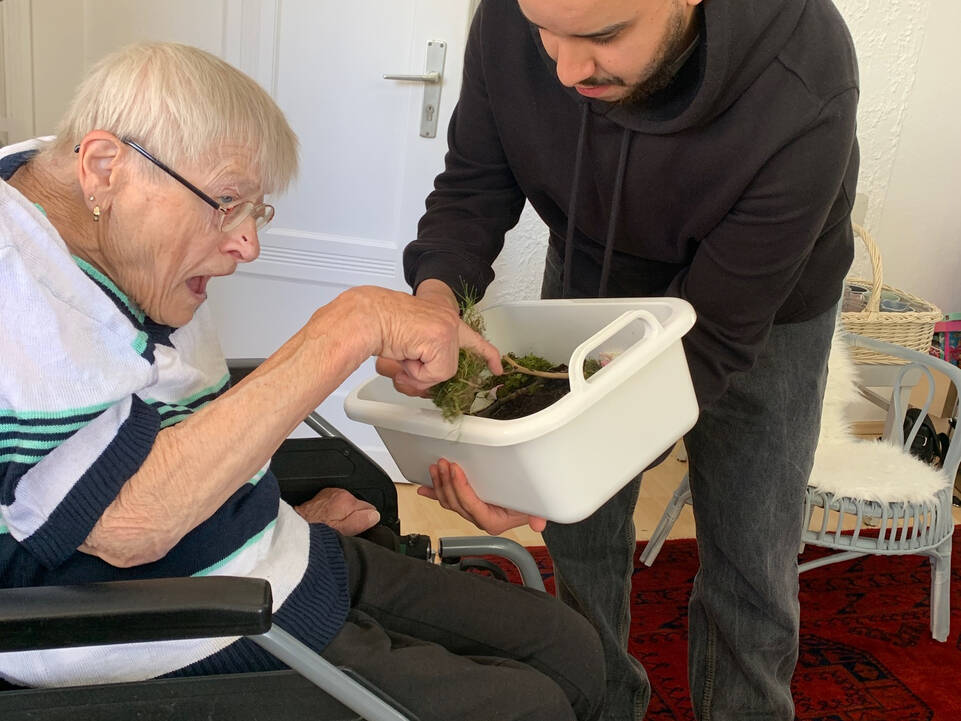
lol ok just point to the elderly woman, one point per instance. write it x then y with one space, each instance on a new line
124 454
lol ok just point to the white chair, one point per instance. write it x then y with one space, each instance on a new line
874 496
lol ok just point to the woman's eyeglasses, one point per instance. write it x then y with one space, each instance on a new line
230 216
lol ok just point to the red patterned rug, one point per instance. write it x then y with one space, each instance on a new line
866 649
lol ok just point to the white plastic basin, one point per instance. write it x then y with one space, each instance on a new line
565 461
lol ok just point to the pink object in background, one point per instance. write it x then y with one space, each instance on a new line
946 343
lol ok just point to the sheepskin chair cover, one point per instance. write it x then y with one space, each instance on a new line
847 466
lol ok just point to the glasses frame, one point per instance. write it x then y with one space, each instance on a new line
219 207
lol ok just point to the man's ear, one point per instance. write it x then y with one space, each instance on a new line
98 156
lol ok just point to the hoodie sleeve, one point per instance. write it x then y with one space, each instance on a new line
746 268
476 199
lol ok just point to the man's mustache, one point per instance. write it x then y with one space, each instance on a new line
595 82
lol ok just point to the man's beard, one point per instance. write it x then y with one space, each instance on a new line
661 70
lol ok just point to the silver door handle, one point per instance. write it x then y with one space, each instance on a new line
432 77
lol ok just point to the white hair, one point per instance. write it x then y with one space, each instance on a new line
182 104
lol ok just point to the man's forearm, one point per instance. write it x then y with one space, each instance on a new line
437 291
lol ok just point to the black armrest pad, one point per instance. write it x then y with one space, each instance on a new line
304 466
132 611
240 367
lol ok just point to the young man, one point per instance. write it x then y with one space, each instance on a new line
704 150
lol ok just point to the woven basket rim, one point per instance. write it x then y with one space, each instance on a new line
933 315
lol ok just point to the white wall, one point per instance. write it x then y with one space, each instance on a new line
910 148
520 267
3 86
918 225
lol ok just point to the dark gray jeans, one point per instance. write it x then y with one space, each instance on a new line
750 456
453 645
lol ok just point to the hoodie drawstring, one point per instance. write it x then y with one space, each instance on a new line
572 207
615 208
615 212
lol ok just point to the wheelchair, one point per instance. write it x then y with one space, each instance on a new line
167 609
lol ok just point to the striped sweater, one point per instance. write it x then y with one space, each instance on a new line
87 380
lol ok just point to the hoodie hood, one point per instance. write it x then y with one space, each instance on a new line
738 40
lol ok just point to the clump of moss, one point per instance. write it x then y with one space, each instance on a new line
591 366
458 395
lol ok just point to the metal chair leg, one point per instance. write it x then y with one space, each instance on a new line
681 497
941 591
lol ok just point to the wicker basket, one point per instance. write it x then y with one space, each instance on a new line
911 329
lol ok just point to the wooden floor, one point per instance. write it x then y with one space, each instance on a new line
421 515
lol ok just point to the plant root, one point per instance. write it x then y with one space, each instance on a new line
540 374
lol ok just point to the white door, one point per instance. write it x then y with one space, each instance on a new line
365 168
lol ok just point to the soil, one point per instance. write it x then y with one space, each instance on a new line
536 396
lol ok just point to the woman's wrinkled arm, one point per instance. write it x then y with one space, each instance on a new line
197 464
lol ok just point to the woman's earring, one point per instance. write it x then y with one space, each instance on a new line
96 214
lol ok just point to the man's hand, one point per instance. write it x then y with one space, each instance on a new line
341 510
453 491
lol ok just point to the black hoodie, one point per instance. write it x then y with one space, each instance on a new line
732 188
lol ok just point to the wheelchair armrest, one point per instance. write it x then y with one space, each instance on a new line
166 609
239 368
159 609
